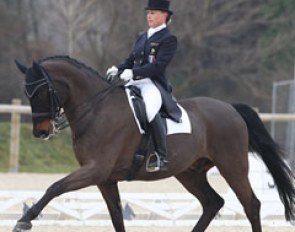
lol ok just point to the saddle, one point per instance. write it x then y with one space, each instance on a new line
145 147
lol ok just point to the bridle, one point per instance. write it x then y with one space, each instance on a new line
56 113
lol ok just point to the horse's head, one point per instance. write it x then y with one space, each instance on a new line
44 102
61 88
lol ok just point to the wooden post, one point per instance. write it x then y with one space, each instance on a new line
14 138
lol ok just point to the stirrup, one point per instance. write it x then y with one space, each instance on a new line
152 156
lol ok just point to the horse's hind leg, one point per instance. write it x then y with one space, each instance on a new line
196 183
110 193
236 176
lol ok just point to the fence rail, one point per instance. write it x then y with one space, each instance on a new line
16 110
139 209
266 117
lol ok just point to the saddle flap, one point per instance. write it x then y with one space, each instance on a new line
137 106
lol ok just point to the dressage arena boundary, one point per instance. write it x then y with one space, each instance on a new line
139 209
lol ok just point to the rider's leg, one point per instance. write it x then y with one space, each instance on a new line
153 102
158 132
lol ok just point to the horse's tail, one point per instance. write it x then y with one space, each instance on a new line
271 153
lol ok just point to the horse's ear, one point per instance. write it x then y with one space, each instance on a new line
21 67
37 68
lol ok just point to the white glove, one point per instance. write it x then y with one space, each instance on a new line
111 72
126 75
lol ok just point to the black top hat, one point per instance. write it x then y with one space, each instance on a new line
161 5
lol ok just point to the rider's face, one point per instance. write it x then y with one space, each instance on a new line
156 18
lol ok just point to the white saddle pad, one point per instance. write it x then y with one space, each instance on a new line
184 127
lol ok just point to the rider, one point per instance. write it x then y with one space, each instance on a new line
145 68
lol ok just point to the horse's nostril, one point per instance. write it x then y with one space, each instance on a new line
42 134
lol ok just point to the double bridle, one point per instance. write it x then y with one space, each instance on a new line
56 112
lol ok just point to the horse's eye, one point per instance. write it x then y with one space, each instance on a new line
42 94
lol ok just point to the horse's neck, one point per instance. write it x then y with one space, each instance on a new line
95 112
78 84
75 87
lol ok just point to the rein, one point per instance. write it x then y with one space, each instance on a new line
99 96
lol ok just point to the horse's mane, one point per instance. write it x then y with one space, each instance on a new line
72 61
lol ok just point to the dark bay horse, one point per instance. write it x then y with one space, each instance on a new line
105 137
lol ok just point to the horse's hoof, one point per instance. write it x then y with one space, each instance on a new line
22 227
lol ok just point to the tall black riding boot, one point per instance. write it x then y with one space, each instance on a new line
158 161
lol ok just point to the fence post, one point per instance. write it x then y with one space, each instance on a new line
14 138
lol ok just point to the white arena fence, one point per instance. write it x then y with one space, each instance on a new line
140 209
146 209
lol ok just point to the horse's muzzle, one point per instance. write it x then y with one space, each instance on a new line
43 130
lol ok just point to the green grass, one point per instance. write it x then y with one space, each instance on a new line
36 155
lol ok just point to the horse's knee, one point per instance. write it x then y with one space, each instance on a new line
213 206
219 203
55 189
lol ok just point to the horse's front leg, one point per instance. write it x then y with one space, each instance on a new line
110 193
81 178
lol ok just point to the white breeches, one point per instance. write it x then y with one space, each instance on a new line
151 96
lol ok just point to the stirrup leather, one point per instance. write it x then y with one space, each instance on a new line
153 156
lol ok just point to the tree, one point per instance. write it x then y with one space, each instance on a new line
230 50
10 31
78 17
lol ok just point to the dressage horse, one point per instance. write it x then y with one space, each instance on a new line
105 137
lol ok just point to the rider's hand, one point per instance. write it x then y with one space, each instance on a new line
126 75
112 72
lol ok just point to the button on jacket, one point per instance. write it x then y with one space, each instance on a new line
149 58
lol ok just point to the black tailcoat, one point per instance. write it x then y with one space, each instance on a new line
149 58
